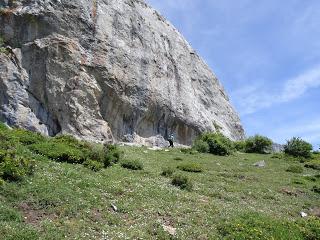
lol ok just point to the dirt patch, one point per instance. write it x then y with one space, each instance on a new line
292 192
34 216
96 215
315 212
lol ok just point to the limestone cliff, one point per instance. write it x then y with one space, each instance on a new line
106 70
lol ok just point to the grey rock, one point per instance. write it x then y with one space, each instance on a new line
303 214
114 207
106 70
277 148
260 164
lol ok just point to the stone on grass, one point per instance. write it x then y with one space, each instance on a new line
260 164
169 229
303 214
114 207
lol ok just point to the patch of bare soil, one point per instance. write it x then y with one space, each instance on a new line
34 216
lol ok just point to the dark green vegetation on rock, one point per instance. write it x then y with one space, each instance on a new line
229 199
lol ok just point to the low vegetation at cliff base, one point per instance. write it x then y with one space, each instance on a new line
63 188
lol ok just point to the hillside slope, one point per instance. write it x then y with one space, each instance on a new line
230 199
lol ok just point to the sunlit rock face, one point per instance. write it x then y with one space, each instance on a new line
106 70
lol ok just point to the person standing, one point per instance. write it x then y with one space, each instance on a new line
171 139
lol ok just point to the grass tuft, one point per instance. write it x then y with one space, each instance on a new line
132 164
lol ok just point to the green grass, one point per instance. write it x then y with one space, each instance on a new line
70 201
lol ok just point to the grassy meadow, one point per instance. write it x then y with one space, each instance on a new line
230 198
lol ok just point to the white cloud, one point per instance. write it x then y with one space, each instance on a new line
256 97
297 86
308 130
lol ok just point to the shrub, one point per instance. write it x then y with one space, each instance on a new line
59 152
316 189
132 164
259 227
201 146
14 167
26 137
167 172
188 151
70 141
218 144
258 144
95 152
2 45
190 167
3 127
314 164
112 155
277 155
295 169
183 182
240 146
93 165
298 148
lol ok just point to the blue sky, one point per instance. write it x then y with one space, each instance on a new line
266 53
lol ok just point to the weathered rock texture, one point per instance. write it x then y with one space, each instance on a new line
106 70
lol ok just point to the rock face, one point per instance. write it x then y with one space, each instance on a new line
106 70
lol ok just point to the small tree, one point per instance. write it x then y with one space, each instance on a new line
298 148
218 143
258 144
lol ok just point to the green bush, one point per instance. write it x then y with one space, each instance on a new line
112 155
93 165
259 227
190 167
298 148
295 169
132 164
2 45
3 127
201 146
183 182
316 189
314 164
59 152
95 152
7 141
167 172
277 155
218 144
258 144
188 151
14 167
26 137
240 146
69 140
